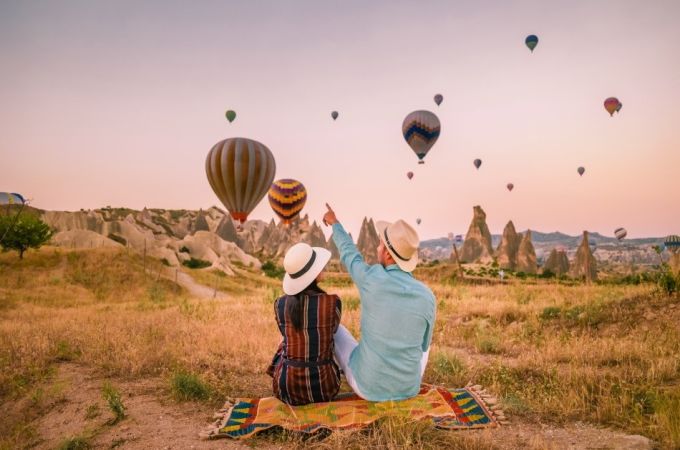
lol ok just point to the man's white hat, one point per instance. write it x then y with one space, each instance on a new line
401 241
303 263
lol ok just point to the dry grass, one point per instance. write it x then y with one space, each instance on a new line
609 355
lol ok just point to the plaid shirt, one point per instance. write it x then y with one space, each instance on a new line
303 367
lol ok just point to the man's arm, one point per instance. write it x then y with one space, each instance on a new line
349 253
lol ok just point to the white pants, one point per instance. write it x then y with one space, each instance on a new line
345 344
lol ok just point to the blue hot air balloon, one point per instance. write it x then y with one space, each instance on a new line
531 41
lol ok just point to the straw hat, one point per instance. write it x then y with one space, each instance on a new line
401 241
303 264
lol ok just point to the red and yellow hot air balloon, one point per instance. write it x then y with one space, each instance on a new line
287 197
612 105
240 172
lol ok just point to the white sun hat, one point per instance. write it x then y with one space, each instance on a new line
303 263
401 241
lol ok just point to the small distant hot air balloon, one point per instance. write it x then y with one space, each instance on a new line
477 163
409 175
620 233
421 130
510 186
612 105
459 239
240 172
418 220
581 170
531 41
334 115
230 115
287 197
438 99
618 108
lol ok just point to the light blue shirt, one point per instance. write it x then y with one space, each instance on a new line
397 320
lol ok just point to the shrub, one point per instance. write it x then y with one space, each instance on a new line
272 270
184 249
195 263
189 386
550 313
75 443
21 232
112 397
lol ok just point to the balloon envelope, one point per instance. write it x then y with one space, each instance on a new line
477 163
620 233
531 41
334 115
409 175
230 115
11 198
612 105
418 221
581 170
240 172
421 130
438 99
672 242
510 186
287 197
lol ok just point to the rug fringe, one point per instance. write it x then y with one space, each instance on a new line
221 417
490 402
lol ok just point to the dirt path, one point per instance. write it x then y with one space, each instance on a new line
155 421
187 282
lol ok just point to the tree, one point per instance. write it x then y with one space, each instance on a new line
23 232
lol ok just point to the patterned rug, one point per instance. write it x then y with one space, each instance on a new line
450 409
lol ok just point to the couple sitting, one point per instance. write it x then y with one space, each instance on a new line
397 321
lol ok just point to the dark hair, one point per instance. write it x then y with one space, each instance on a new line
295 303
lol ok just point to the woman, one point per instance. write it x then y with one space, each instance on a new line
303 368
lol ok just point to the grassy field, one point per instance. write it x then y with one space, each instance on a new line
559 354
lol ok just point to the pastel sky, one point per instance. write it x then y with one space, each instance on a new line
118 102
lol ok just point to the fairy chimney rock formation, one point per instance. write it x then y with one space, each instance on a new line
477 245
200 224
368 241
584 264
315 236
226 230
526 255
506 253
557 262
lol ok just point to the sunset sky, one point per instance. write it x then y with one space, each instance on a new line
117 103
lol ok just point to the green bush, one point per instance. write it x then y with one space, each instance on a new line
550 313
272 270
112 397
21 232
189 386
195 263
184 249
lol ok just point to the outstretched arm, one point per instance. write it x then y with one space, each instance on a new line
349 253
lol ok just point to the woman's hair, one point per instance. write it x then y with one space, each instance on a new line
295 303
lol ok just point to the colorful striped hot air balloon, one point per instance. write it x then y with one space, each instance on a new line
531 41
11 198
287 197
620 233
421 130
612 105
672 243
240 172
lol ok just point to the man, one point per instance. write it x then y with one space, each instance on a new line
397 315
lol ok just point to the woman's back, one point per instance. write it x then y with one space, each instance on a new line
303 369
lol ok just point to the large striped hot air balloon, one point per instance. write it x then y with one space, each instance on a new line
620 233
672 243
287 197
11 198
240 172
421 130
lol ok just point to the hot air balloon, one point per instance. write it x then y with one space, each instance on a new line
531 41
510 186
459 239
581 170
438 99
618 108
409 175
612 105
672 243
477 163
11 198
230 115
334 115
240 171
287 197
418 220
620 233
421 130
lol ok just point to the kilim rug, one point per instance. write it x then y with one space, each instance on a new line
451 409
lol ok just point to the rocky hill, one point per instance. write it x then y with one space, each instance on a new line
477 245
